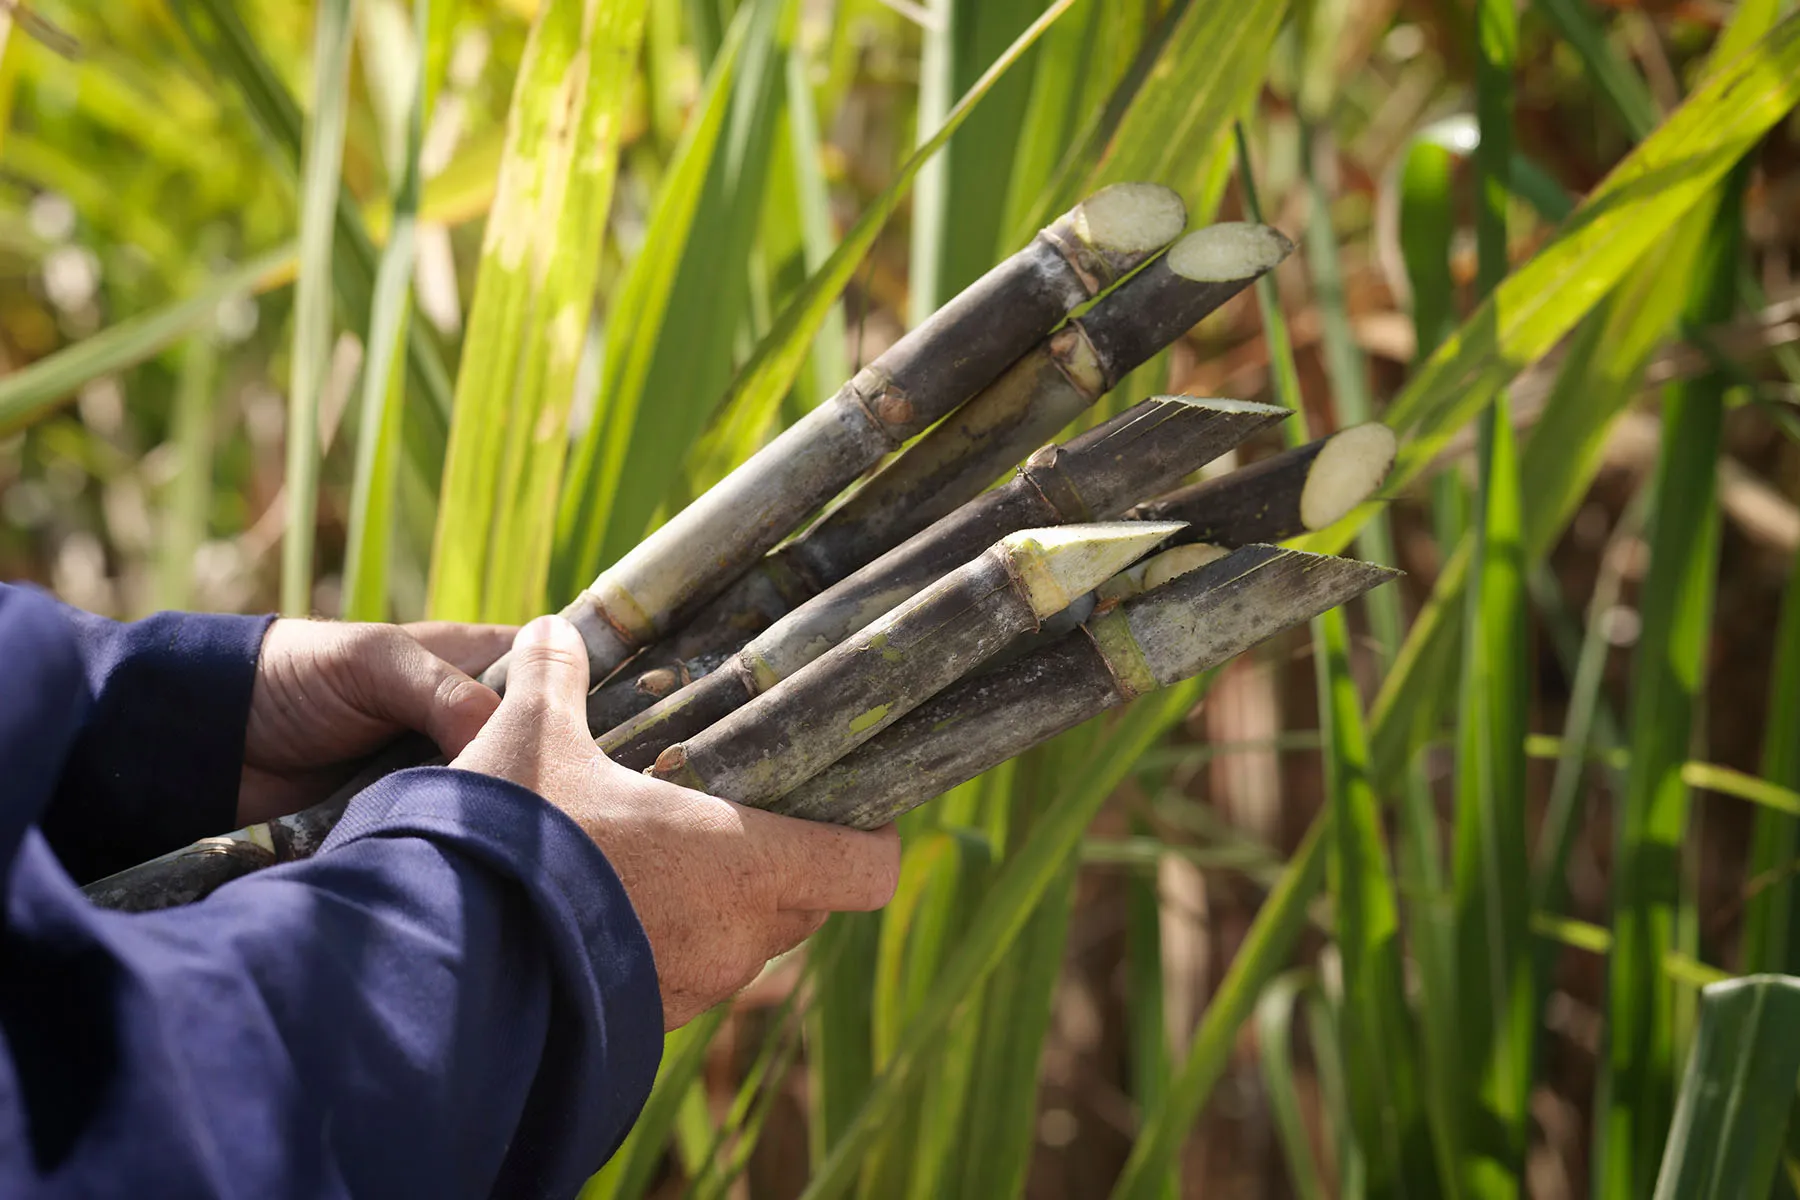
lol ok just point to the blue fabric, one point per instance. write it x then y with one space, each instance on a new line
453 999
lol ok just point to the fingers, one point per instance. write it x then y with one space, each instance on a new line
468 648
409 685
828 868
549 671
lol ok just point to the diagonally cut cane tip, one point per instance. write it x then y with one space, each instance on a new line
1062 562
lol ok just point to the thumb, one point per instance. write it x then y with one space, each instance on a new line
548 670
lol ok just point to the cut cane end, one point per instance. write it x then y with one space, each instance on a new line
1350 466
1061 563
1230 251
1130 220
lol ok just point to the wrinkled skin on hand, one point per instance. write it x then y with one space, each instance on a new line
329 693
720 888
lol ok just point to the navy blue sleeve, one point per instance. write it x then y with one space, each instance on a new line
453 999
157 758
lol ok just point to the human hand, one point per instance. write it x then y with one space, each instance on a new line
328 693
720 888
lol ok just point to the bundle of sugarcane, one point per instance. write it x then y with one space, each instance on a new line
919 586
955 353
1095 476
1161 636
1040 394
868 731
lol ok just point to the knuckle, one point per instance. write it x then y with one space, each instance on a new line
551 655
367 638
457 692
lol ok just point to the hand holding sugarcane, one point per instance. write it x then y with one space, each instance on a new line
720 889
714 645
326 694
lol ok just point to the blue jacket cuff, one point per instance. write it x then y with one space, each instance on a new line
602 954
159 758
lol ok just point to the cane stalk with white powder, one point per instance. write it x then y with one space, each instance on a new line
1197 620
1093 477
851 693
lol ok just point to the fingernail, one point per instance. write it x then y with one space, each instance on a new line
538 631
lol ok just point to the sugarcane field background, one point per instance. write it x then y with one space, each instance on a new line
1481 884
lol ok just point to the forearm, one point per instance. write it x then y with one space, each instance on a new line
454 997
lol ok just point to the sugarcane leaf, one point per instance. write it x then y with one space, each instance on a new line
1605 361
1639 1080
798 236
1000 1126
217 31
1274 1044
187 508
631 1170
1079 64
29 394
1385 1079
1174 127
1620 221
1427 223
735 1139
1600 374
529 319
374 486
840 1058
1768 930
1589 723
310 361
755 395
992 928
956 228
1764 793
1380 1073
915 1151
1732 1111
1495 996
672 328
1261 956
1612 75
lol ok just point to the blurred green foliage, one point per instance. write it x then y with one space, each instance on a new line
577 258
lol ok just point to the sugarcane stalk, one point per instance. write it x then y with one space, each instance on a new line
1171 633
197 870
1037 396
958 351
851 693
1093 477
1291 493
